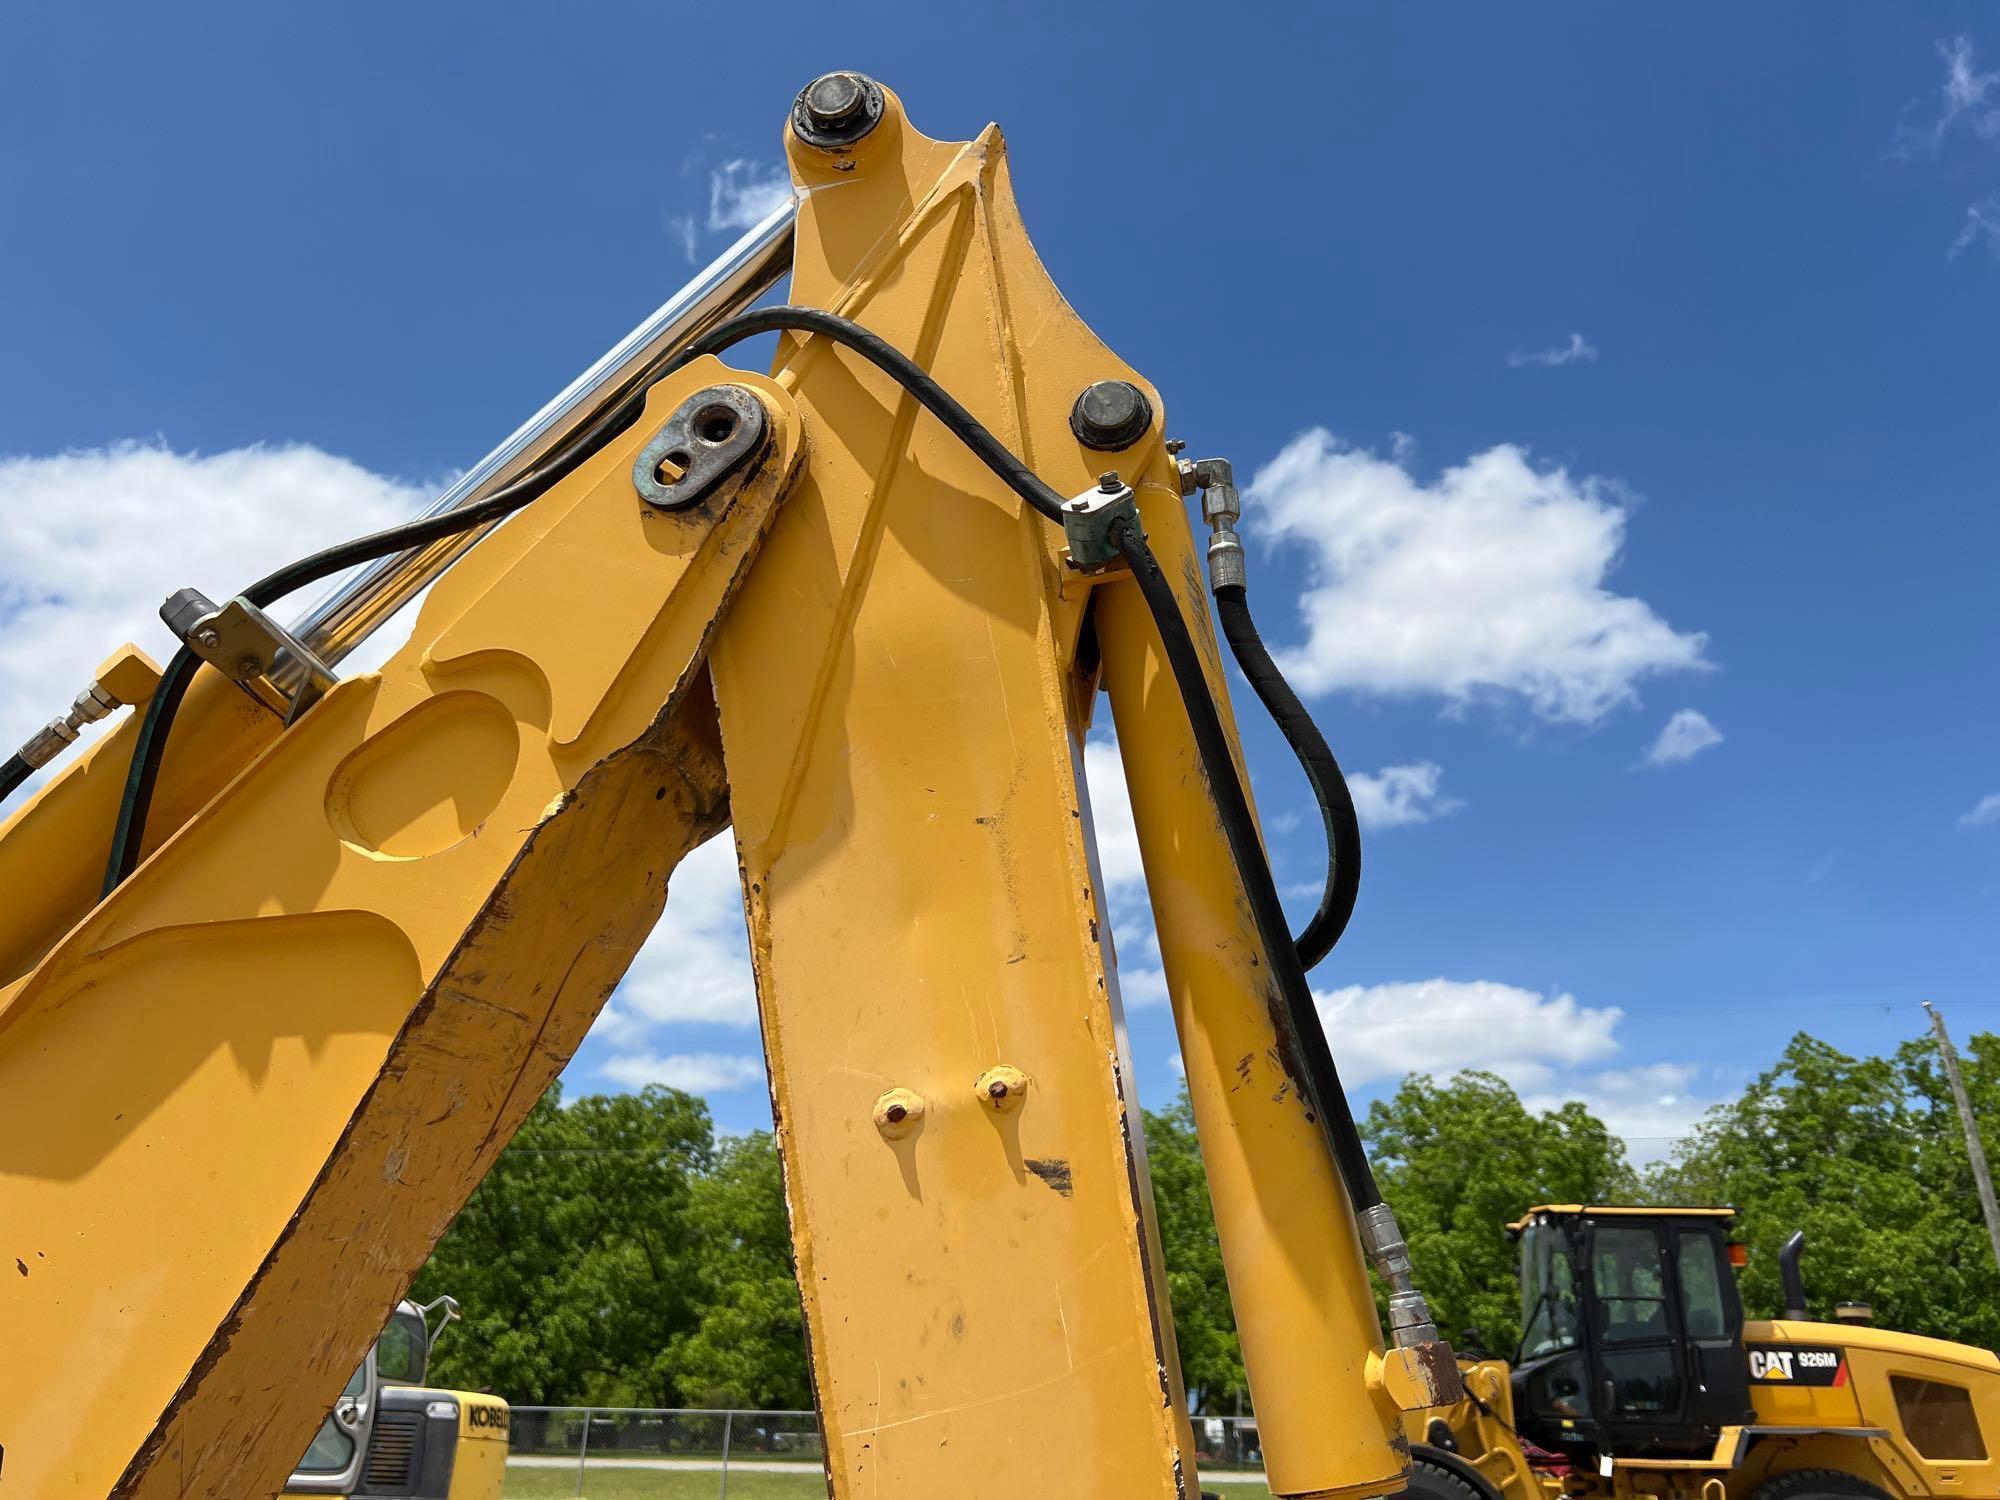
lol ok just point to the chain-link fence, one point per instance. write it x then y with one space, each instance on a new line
627 1453
1228 1443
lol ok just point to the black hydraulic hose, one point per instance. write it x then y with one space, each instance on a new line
148 751
905 371
13 773
1233 808
1336 803
143 772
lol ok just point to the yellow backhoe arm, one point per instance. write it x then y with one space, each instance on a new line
243 1094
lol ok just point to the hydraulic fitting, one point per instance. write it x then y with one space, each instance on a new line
128 675
1221 507
1410 1321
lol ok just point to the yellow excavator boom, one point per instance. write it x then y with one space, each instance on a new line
371 919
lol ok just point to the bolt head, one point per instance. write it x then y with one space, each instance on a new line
1110 415
899 1114
1002 1089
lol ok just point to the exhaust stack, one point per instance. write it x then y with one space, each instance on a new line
1788 1273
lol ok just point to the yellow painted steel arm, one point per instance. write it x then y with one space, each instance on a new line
241 1099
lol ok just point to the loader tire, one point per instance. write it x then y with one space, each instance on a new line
1819 1484
1429 1481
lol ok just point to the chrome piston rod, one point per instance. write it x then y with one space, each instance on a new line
731 283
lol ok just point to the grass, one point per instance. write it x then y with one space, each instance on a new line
745 1483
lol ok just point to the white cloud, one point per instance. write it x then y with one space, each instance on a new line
1382 1031
1487 584
1685 736
741 193
1111 814
96 539
1965 91
1142 977
1971 98
1543 1046
696 965
696 1072
1985 813
1651 1106
1578 348
1399 795
1982 226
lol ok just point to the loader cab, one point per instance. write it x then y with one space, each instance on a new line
1631 1330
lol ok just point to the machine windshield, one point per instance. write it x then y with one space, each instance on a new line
403 1350
1548 1291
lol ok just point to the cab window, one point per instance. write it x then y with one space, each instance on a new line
1548 1292
1938 1418
1703 1312
1631 1283
332 1449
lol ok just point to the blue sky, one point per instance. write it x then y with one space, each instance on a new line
1688 308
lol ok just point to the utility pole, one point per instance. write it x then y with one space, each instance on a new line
1980 1175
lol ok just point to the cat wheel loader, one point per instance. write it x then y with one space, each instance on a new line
288 954
1639 1378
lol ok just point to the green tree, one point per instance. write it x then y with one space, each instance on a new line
1204 1322
1867 1157
574 1259
748 1345
1460 1160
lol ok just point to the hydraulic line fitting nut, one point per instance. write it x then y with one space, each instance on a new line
1221 507
127 675
899 1114
1002 1089
1410 1321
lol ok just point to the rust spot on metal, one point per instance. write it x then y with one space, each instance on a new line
1052 1170
1439 1369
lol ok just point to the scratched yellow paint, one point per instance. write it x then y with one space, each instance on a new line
982 1277
242 1098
